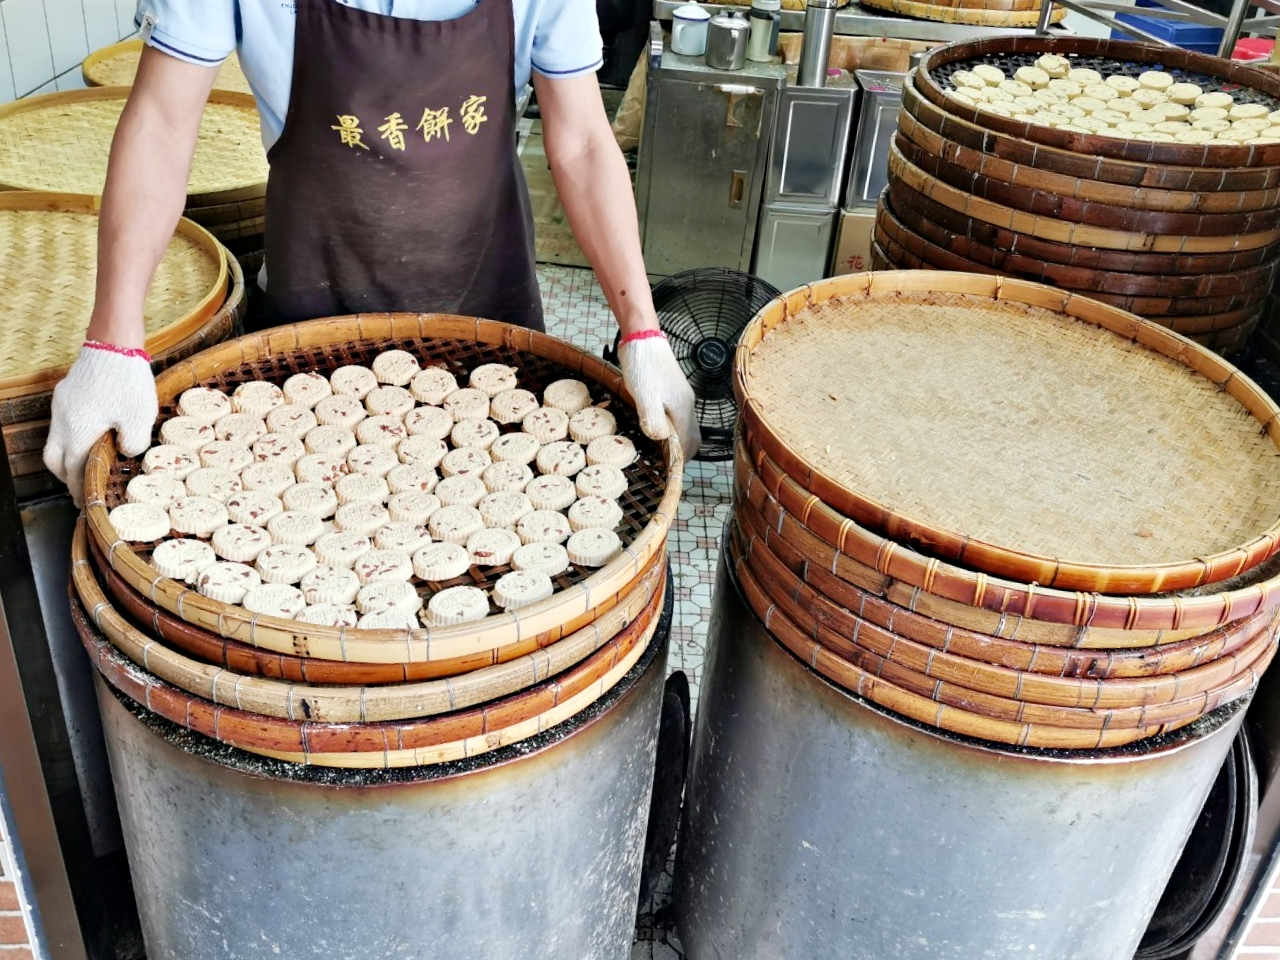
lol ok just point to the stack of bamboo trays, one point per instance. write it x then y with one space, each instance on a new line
1005 511
1185 235
984 13
61 142
116 65
357 698
48 252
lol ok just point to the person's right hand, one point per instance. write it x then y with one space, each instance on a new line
107 388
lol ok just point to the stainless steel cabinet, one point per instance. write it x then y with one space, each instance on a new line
809 148
869 160
795 244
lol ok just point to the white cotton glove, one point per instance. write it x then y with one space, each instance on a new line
663 396
107 388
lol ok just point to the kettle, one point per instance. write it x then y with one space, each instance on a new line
765 20
689 30
727 41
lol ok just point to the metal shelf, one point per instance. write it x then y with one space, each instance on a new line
1179 10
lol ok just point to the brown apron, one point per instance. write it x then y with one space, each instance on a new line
395 185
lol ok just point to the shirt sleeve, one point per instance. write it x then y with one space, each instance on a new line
566 41
202 32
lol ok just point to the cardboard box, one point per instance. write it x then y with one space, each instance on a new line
853 241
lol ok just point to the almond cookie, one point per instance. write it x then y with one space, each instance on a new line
182 559
389 402
546 424
292 421
240 542
213 483
474 433
551 493
140 522
229 455
161 489
466 490
1098 91
257 398
591 422
171 461
381 431
372 459
1183 93
988 74
355 487
464 462
1248 111
492 548
402 536
1033 77
240 427
493 378
197 516
467 404
591 511
275 600
505 476
549 558
331 439
396 595
593 547
613 451
204 404
306 389
601 480
434 422
227 582
456 605
383 565
432 385
387 620
254 507
317 499
396 367
512 406
417 477
441 562
279 448
1084 76
455 524
1016 88
186 432
362 516
516 448
426 451
329 615
340 410
272 478
523 588
412 506
1223 101
330 585
285 563
963 79
353 381
543 526
504 509
563 458
570 395
295 527
342 549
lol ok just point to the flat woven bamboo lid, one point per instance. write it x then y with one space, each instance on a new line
1016 429
116 66
61 142
48 264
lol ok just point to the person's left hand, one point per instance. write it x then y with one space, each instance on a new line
662 393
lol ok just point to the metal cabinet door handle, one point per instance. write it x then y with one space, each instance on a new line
737 95
737 188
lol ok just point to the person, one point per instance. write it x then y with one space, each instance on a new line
394 183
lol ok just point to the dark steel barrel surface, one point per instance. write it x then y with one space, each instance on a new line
822 827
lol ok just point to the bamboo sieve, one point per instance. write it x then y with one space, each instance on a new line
965 14
460 343
116 65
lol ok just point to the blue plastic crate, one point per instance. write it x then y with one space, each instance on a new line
1188 36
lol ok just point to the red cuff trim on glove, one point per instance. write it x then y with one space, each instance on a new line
123 351
643 335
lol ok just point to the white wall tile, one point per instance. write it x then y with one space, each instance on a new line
6 72
27 37
100 23
126 10
73 79
67 36
50 87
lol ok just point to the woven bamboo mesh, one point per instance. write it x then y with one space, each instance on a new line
61 142
976 15
117 65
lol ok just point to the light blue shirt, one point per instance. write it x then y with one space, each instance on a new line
556 38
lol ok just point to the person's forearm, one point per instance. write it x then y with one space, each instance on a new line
145 193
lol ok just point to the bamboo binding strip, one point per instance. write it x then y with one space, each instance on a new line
116 65
325 344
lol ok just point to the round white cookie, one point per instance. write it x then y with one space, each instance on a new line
432 385
456 605
523 588
353 381
549 558
182 559
493 378
440 562
336 585
161 489
305 390
396 367
492 548
140 522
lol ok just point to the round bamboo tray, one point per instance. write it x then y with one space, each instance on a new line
1108 56
355 704
228 213
1113 546
49 244
972 16
460 343
61 142
117 65
453 736
1083 166
244 659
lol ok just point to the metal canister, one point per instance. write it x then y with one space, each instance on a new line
727 41
815 53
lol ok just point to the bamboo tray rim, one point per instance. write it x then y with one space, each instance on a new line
956 545
377 646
